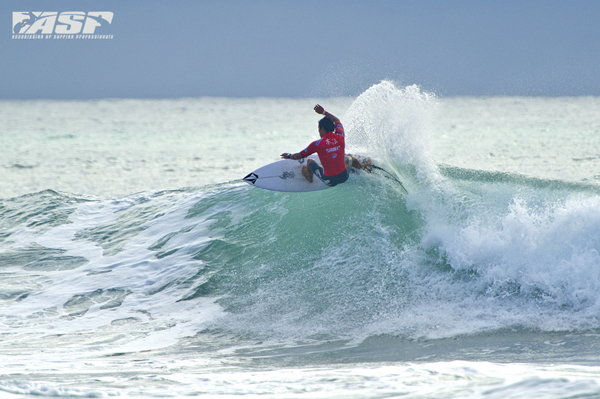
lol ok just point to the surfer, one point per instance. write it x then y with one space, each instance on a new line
331 149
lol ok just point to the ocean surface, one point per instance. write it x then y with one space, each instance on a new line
135 262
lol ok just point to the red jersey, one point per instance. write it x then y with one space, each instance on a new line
331 150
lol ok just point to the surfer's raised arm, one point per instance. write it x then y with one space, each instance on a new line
320 110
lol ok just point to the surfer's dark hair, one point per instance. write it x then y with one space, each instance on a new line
327 124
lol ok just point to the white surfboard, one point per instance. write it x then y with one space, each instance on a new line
285 175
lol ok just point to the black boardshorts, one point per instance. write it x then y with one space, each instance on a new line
328 180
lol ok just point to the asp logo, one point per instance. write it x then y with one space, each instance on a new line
59 25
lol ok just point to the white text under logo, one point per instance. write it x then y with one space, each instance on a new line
62 25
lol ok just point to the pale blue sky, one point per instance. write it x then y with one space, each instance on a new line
286 48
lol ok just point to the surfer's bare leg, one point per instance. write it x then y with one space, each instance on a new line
307 172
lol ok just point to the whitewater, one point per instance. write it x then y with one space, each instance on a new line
135 262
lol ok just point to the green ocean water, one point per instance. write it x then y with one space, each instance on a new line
134 261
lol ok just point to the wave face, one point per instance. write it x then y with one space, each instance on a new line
463 252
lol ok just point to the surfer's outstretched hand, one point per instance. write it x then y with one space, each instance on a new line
287 155
319 109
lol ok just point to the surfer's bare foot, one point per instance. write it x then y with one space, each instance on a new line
367 165
307 173
363 163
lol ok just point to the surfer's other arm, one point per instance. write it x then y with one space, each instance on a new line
296 156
